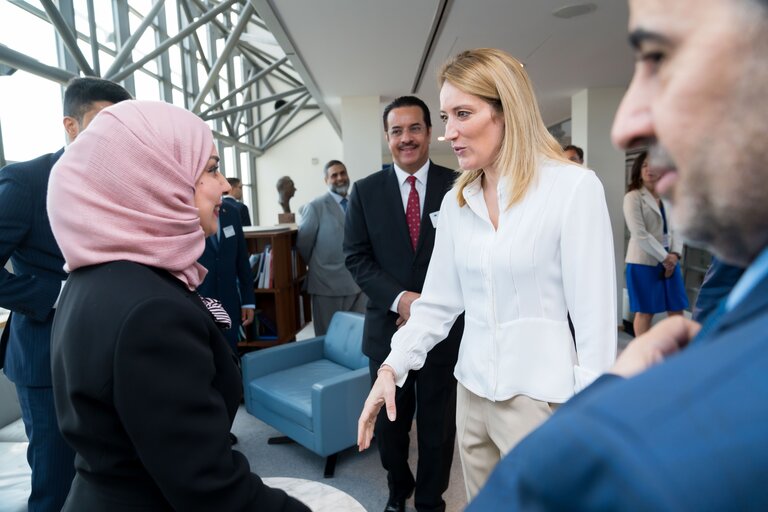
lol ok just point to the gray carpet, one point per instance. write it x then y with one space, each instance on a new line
358 474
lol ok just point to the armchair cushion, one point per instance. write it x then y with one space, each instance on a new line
289 392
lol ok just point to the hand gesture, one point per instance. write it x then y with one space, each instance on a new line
382 392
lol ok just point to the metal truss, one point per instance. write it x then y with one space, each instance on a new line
234 74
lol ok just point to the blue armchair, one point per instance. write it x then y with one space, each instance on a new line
313 390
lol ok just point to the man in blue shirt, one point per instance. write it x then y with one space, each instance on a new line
679 423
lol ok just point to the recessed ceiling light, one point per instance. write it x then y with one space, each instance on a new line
571 11
441 138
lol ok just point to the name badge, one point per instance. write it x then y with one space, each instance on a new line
433 217
665 241
228 231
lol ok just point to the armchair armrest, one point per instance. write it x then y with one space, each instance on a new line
336 406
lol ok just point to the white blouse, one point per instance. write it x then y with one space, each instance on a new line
552 254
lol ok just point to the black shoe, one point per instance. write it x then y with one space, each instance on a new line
232 439
397 505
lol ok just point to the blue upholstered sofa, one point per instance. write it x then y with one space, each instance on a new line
312 391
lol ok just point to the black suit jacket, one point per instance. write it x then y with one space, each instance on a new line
146 389
242 210
229 277
382 261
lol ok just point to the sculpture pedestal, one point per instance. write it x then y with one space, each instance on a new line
286 218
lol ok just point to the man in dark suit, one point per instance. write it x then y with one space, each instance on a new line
32 290
229 278
389 235
679 423
235 199
320 239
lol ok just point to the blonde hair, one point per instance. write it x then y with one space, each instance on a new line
500 79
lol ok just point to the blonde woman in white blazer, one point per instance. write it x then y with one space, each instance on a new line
654 281
522 240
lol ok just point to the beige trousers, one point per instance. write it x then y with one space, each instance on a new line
487 430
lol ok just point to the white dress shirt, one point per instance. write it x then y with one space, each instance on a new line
552 254
405 191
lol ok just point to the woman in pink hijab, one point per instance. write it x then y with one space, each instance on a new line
145 384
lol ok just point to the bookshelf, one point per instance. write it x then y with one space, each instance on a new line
282 309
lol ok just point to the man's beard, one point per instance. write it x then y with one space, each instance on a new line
725 219
339 189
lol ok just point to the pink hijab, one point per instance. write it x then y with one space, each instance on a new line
124 190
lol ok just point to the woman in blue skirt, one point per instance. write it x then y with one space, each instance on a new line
654 281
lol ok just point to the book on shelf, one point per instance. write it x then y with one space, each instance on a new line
271 272
265 273
255 261
262 268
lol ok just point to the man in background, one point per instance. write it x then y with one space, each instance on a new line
32 290
320 239
229 279
574 153
679 422
235 199
390 233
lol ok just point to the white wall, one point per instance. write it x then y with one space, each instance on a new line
592 112
446 159
362 131
302 157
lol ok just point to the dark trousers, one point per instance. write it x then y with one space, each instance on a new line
50 457
430 393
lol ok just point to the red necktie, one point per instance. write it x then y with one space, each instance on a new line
413 212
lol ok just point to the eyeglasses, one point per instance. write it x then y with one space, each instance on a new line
416 129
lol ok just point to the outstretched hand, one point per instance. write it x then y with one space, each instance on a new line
662 340
382 393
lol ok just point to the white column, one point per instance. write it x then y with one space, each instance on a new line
592 113
361 133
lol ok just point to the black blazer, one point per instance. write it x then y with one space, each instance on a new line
242 210
229 277
146 389
382 261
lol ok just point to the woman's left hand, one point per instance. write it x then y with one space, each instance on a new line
382 394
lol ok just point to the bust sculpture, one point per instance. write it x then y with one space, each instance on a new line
285 191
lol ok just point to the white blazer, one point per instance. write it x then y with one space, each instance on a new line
552 254
646 228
